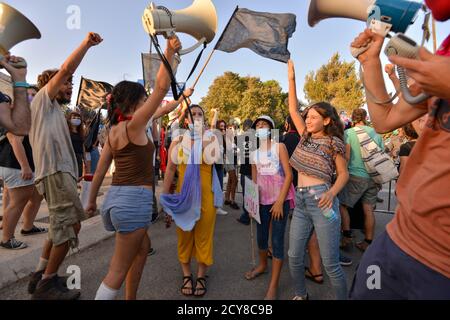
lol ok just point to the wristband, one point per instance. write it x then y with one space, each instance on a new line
21 85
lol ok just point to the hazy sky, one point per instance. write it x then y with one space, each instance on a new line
119 23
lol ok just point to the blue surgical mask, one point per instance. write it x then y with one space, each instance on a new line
75 122
263 133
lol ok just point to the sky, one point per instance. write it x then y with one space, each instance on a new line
119 56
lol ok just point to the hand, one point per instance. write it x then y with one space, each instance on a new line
431 73
214 111
371 39
173 44
277 210
91 209
291 70
17 74
27 174
390 70
188 92
326 200
93 39
168 220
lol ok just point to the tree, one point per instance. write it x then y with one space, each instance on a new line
246 98
337 83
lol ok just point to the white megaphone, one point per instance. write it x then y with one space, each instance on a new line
199 20
14 28
397 15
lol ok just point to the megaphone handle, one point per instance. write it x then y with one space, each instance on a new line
379 27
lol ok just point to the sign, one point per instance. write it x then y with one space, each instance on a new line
251 199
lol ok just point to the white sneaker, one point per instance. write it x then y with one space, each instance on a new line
221 212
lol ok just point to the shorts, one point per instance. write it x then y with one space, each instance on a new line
359 188
64 206
13 178
127 209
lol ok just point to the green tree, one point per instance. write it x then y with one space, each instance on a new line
337 83
246 98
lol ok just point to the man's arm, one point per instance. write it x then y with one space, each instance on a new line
390 116
71 65
16 118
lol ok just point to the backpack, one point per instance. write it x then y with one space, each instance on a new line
379 165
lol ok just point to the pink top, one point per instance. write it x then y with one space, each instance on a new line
270 176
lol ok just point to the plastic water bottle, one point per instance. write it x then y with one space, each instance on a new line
328 213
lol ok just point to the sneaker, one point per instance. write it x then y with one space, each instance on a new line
34 231
52 289
379 200
301 298
35 277
345 261
13 244
221 212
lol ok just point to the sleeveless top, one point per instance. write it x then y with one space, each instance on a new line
270 176
134 164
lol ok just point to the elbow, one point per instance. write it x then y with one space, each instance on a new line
66 70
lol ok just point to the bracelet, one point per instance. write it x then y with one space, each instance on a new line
21 85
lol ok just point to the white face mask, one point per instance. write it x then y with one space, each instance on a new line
75 122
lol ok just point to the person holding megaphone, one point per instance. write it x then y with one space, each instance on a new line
411 259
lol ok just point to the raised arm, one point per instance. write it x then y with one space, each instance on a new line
214 118
172 105
16 118
71 65
293 101
143 115
388 117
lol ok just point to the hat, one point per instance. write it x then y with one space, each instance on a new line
265 118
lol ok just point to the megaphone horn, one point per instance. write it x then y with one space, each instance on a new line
199 20
400 14
15 28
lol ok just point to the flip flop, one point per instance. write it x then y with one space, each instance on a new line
312 277
252 274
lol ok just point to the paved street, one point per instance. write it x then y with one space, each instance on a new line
162 275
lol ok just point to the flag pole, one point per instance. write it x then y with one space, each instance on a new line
212 52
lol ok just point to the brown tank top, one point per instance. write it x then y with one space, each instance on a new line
134 164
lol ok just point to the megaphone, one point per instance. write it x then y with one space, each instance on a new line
398 14
15 28
199 20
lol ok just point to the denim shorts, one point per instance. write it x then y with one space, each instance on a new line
127 209
13 178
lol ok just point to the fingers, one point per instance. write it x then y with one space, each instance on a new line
410 64
425 55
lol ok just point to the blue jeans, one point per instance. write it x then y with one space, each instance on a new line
308 217
278 230
244 216
219 169
95 157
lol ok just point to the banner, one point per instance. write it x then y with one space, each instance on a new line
251 199
92 94
150 66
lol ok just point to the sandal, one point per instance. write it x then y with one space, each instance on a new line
186 281
202 289
33 231
312 277
253 274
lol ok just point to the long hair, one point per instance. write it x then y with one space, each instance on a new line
80 128
124 99
335 128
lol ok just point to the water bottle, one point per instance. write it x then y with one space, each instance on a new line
328 213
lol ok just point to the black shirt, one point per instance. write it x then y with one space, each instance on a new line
246 146
406 149
77 142
8 158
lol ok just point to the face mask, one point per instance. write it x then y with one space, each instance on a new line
439 8
30 98
263 133
75 122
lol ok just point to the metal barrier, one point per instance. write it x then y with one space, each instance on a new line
388 211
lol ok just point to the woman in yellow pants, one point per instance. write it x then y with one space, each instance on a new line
197 195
